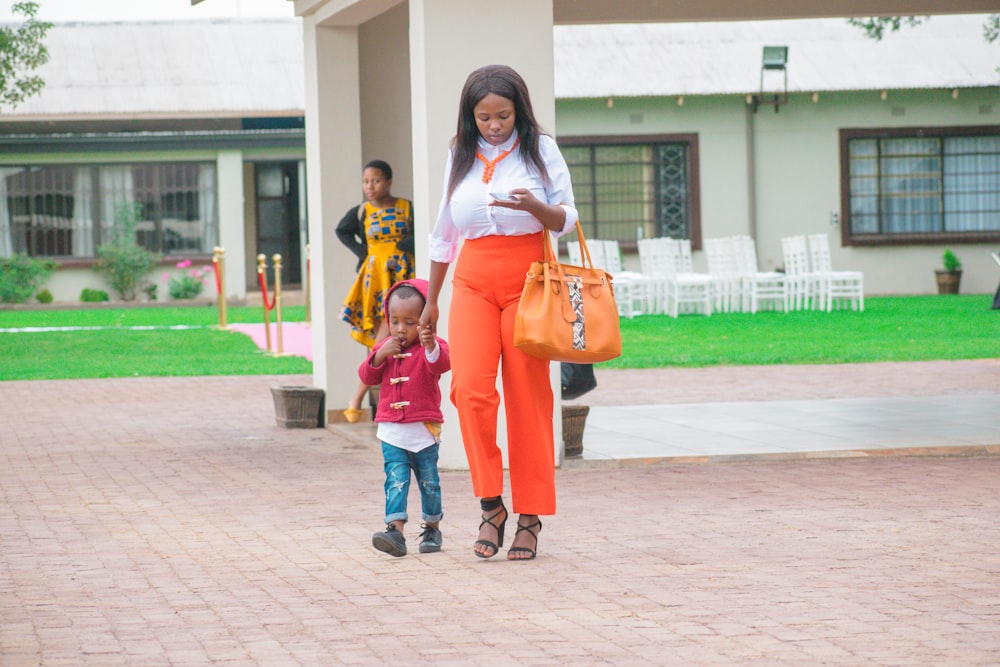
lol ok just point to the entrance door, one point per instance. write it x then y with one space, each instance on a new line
277 192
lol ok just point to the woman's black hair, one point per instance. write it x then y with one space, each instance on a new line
503 81
382 166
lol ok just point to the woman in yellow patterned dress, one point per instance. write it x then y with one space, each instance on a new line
380 233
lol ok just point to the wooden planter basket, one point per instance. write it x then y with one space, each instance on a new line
574 418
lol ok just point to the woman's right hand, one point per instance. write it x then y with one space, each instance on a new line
429 317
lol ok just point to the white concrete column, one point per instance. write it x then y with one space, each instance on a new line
449 39
229 170
333 156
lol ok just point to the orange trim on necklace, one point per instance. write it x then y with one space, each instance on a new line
492 165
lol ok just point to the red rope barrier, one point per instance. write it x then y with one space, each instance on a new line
218 279
263 290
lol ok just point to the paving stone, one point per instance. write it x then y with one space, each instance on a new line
152 521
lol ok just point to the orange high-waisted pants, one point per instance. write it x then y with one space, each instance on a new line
489 277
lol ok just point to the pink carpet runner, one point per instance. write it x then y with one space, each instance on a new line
296 337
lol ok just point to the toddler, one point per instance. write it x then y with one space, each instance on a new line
408 365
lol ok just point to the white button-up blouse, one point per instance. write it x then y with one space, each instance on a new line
466 214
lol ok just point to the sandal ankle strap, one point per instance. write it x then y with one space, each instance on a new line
490 504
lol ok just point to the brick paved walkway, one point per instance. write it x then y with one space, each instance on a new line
170 522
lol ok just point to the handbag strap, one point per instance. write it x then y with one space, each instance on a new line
550 254
552 264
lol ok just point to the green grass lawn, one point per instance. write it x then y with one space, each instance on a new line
915 328
117 351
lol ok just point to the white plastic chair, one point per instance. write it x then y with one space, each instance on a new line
758 287
723 268
799 281
663 260
630 288
834 288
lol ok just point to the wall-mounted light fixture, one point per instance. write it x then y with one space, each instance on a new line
773 59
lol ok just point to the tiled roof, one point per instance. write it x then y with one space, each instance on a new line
725 58
247 67
213 67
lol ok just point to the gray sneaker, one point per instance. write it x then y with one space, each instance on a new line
430 539
391 541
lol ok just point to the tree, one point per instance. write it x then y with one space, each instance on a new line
876 26
991 29
21 51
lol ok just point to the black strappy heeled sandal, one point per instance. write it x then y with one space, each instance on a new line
526 550
489 505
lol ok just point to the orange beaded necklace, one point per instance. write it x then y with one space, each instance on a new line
491 165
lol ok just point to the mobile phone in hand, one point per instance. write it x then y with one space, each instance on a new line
503 196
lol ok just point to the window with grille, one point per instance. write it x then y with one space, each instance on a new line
69 211
631 189
39 211
913 186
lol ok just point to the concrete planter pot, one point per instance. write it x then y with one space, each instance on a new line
298 406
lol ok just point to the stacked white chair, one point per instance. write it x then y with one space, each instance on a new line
667 264
630 287
724 270
685 266
656 280
758 288
833 288
800 283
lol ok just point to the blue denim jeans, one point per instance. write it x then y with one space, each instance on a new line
424 464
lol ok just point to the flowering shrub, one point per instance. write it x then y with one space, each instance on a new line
189 284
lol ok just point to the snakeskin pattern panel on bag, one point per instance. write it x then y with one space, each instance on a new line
575 287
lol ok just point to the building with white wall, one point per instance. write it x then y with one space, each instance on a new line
891 147
200 123
203 123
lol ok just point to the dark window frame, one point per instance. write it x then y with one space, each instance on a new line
35 212
652 140
161 189
166 176
848 238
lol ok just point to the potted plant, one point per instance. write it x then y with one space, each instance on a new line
949 278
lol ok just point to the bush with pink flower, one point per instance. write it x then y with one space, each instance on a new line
189 283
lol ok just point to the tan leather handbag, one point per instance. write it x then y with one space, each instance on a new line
568 313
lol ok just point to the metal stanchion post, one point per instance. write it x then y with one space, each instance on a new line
262 278
219 259
277 297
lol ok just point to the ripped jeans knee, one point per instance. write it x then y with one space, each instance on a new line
399 464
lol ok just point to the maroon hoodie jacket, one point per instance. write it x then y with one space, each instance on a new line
409 390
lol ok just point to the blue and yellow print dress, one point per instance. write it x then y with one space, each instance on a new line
385 266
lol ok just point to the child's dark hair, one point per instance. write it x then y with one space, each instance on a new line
405 292
382 166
